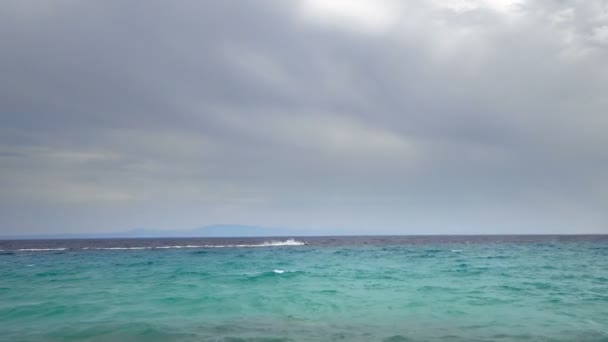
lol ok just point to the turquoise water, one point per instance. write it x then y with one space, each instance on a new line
340 289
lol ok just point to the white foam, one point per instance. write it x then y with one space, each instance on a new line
288 242
273 243
41 249
178 247
118 248
279 271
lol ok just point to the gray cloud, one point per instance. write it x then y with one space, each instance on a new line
484 116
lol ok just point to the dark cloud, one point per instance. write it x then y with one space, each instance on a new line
484 116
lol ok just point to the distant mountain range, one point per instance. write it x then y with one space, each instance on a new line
217 230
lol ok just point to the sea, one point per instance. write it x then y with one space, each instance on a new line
365 288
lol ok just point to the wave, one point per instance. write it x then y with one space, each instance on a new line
40 249
142 247
147 247
117 248
178 247
274 274
288 242
273 243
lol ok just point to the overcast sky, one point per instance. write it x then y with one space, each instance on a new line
379 116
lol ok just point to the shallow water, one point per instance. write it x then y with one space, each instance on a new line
488 288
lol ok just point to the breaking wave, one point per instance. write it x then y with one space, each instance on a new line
41 249
273 243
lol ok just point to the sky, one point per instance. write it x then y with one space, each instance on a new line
361 117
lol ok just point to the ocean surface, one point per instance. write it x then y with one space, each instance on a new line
440 288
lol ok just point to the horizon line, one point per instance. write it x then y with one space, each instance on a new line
58 236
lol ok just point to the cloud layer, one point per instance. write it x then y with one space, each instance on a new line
418 117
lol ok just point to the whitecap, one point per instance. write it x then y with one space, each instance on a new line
178 247
288 242
121 248
41 249
273 243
